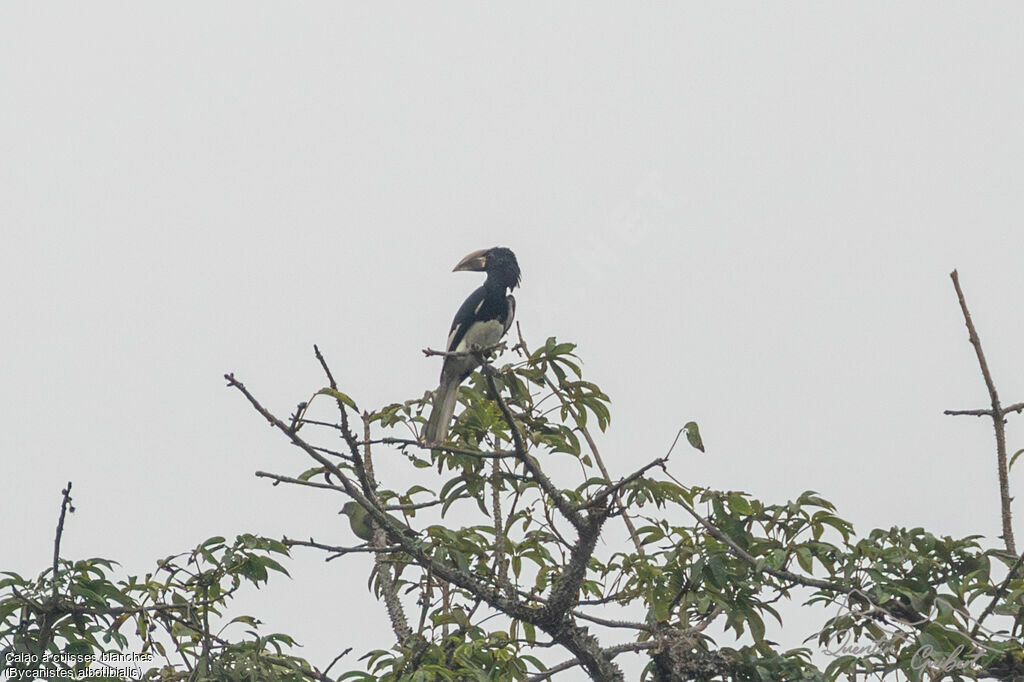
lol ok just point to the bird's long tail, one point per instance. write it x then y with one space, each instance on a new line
441 413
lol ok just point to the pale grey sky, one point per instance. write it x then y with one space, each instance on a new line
744 215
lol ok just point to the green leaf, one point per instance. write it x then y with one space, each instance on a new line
8 607
804 556
693 435
756 626
339 396
310 473
273 565
1014 458
717 576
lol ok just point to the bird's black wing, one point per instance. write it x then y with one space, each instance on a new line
464 317
481 321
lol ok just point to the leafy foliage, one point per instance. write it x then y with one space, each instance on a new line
904 597
501 550
84 617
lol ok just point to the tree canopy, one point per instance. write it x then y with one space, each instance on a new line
491 565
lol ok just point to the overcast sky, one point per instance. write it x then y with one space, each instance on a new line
744 215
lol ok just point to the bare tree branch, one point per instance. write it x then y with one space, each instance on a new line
610 652
388 582
278 478
336 550
500 570
613 490
479 353
408 442
65 505
998 415
1016 407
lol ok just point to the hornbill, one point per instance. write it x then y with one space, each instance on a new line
481 322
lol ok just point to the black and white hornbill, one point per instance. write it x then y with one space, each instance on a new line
481 322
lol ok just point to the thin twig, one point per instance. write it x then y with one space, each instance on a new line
336 659
1012 575
64 506
412 507
599 498
611 652
408 442
323 364
317 422
628 624
1016 407
335 453
479 353
998 420
674 441
277 478
708 619
591 443
426 594
339 551
568 510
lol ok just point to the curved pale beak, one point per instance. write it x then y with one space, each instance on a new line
476 261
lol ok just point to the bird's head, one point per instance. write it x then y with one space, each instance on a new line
357 519
499 263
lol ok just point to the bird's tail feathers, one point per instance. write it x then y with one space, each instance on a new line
441 413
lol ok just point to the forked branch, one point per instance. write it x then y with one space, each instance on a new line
998 414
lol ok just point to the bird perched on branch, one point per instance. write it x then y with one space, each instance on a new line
481 322
357 519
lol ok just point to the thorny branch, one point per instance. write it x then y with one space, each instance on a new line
479 353
1016 407
500 569
397 532
567 509
338 551
65 505
591 443
408 442
553 616
998 415
557 611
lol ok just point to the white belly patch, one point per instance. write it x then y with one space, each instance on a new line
482 335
